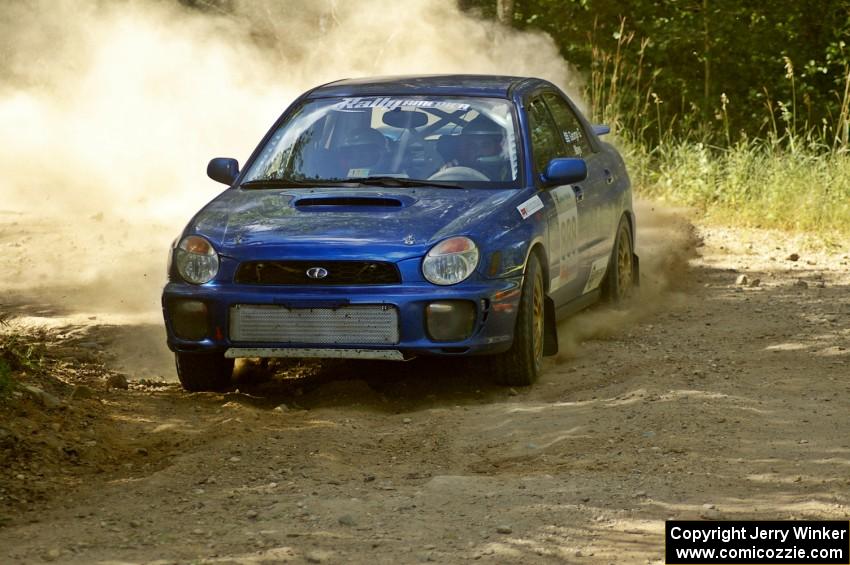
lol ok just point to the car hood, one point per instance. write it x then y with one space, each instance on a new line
392 223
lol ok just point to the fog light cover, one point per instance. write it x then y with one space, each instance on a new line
189 319
450 320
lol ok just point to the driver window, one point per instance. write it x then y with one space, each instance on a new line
569 126
545 138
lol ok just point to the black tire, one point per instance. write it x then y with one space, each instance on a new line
522 364
203 371
620 278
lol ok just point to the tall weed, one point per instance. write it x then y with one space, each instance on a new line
17 354
751 183
795 178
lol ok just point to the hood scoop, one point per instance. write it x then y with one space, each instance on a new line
348 202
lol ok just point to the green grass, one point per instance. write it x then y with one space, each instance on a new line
7 383
794 176
18 354
751 183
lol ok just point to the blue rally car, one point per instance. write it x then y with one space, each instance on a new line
387 218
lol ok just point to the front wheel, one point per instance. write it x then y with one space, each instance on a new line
620 278
203 371
522 364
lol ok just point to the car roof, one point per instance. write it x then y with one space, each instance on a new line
448 85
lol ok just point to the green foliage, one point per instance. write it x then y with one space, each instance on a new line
739 109
7 385
18 353
21 354
664 66
752 183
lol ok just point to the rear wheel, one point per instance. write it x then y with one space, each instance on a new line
620 278
522 364
203 371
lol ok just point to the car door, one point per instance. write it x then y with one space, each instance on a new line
594 195
566 276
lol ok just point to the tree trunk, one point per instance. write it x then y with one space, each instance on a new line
706 78
505 11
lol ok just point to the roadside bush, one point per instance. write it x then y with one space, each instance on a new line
794 174
17 354
7 385
752 183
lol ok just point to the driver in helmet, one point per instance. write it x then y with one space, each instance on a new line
360 152
479 147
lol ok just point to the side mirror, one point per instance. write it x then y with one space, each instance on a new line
223 170
563 170
601 129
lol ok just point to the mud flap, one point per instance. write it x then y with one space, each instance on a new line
636 268
550 327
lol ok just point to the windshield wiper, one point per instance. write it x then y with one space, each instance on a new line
293 183
387 181
402 181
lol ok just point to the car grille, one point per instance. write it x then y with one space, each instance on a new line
359 324
338 272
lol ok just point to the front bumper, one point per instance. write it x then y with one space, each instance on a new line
496 303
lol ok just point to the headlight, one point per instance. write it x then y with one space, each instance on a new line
450 261
197 261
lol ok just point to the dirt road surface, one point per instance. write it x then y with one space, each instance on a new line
708 399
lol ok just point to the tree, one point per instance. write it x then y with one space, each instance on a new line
783 62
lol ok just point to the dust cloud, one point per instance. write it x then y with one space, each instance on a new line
666 241
115 107
109 112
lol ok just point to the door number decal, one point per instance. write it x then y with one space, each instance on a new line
563 244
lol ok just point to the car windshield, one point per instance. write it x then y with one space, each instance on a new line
462 141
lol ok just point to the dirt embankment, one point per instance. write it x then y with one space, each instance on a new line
713 397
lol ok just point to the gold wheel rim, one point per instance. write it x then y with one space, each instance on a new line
624 265
537 321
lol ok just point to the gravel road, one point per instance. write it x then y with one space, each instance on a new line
715 396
